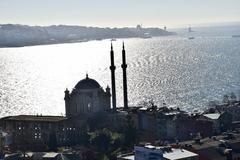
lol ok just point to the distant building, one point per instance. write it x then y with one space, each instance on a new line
139 27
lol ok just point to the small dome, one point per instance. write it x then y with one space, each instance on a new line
87 83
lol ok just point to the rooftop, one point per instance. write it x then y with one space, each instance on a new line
50 155
178 154
169 153
213 116
36 118
87 83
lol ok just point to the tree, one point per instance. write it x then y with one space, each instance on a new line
106 141
212 104
233 97
226 99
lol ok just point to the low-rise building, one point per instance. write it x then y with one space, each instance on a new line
232 108
149 152
42 156
32 132
215 119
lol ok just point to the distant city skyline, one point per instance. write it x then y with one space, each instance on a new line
125 13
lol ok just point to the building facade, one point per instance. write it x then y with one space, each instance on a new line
87 97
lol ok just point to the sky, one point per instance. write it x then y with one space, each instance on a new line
119 13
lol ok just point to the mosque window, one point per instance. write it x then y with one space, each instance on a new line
37 126
37 135
89 107
20 127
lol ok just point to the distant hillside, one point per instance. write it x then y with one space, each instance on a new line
12 35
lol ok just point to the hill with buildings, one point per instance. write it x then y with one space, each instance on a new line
14 35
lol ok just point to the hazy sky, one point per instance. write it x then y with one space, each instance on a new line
118 13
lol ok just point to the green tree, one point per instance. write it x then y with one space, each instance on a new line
106 141
233 97
226 99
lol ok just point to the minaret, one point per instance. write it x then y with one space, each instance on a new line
112 68
67 98
124 68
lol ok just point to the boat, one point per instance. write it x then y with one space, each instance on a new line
191 38
236 36
146 36
190 29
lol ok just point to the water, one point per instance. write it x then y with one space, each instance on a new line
183 73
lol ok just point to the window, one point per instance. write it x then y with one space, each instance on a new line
89 107
37 135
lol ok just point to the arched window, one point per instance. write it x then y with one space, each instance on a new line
89 107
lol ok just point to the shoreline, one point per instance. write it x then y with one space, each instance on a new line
77 41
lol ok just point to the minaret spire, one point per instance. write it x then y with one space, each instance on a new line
124 68
112 68
67 107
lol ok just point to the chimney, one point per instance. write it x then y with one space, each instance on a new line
124 68
112 68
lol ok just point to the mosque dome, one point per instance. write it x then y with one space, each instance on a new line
87 83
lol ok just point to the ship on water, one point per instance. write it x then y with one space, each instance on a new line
190 29
236 36
190 38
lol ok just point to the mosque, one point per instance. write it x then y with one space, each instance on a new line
87 97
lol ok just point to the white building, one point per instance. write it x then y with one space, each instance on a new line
150 152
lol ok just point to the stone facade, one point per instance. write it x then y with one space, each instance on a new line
87 97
